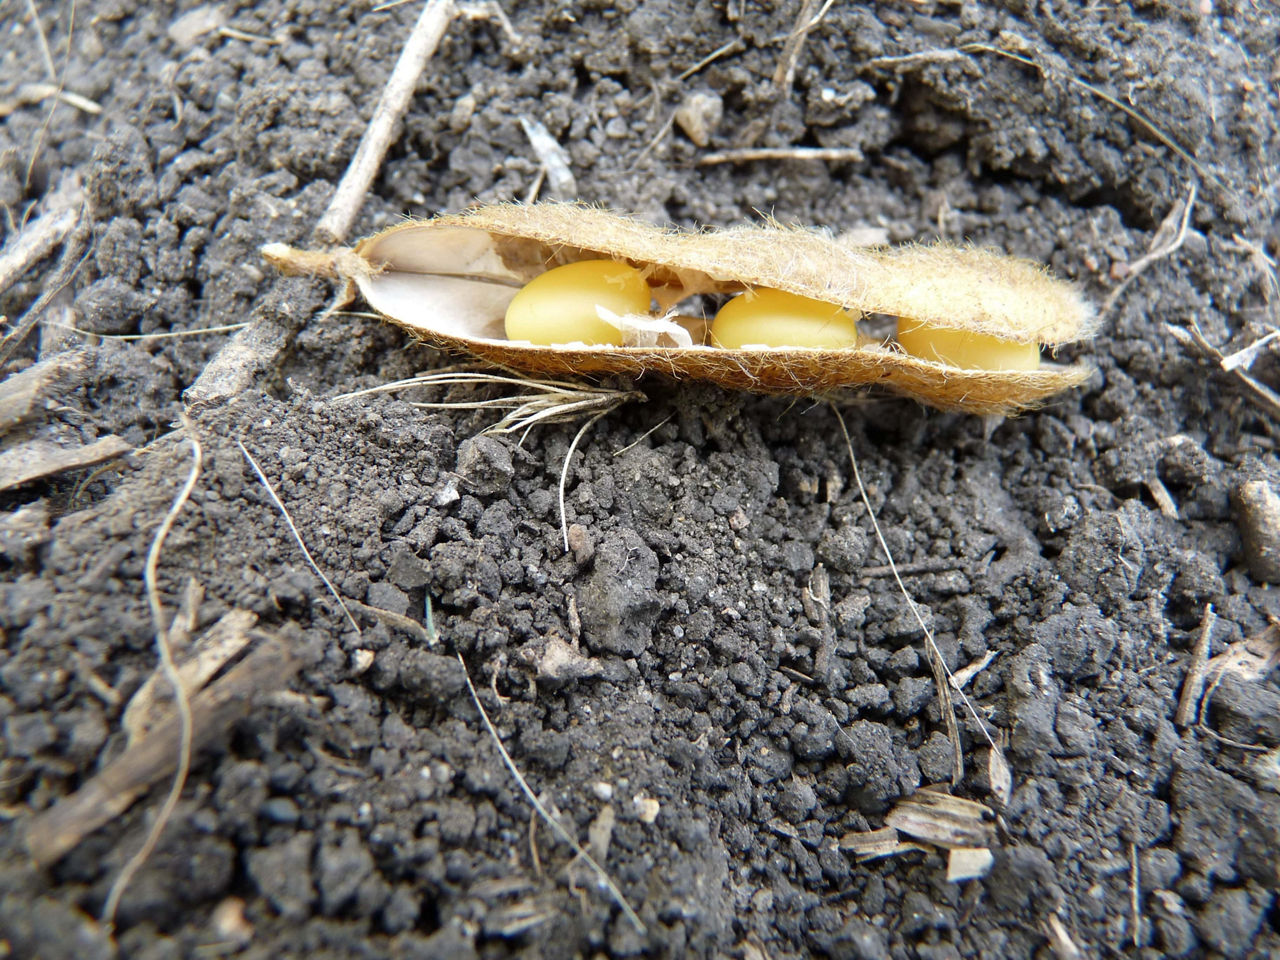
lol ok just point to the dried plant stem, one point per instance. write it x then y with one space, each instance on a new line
45 52
942 676
234 34
170 671
165 335
39 237
785 74
32 93
1136 115
113 789
829 154
960 53
262 478
1159 250
61 81
74 253
551 821
544 401
644 436
733 46
1193 685
1192 336
418 49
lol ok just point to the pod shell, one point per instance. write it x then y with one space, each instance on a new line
448 281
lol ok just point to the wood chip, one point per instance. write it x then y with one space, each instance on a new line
22 393
943 820
38 459
871 843
999 775
960 679
553 157
41 236
153 703
600 833
1193 685
968 863
1064 948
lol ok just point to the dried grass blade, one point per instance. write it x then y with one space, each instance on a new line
262 477
939 668
551 821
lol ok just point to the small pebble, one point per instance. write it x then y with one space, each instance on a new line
647 808
361 660
698 116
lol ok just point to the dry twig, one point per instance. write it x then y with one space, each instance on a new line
751 154
1064 948
256 347
45 52
42 235
421 45
785 74
75 252
197 662
1193 337
1252 659
61 80
162 335
952 54
38 459
1193 685
24 393
1136 115
733 46
564 474
552 156
1168 239
28 94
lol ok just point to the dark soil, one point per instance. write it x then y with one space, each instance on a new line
364 810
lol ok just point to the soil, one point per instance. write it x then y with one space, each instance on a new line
665 687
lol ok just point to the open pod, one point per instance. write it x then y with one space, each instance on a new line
449 280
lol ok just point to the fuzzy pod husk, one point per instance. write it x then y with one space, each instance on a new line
448 280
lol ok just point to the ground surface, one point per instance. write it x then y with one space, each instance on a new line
364 809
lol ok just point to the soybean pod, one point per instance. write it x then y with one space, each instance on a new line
558 289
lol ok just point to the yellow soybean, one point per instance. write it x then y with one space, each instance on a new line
969 351
560 306
771 318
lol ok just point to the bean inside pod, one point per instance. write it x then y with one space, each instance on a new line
587 302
